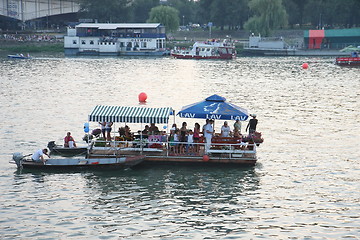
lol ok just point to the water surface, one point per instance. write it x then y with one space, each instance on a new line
305 186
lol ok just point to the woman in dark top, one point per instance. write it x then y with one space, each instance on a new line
183 140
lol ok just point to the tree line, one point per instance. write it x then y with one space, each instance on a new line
258 16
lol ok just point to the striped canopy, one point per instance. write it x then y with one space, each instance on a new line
129 114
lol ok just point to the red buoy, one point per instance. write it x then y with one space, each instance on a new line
206 158
142 97
305 66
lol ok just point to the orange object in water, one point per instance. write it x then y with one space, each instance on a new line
206 158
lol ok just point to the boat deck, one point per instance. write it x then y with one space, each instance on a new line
220 152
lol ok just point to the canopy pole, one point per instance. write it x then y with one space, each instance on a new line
174 115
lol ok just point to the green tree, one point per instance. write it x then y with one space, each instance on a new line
332 13
105 10
205 11
167 16
187 10
140 10
269 15
296 11
230 13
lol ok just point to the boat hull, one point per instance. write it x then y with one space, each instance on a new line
184 56
74 52
348 61
110 163
162 156
200 160
18 57
68 151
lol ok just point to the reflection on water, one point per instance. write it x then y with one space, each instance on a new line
305 184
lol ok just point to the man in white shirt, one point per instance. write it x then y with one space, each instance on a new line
208 133
39 155
225 130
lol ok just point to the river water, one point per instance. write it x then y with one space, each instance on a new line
306 184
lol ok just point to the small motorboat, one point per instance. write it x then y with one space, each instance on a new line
20 56
110 162
66 151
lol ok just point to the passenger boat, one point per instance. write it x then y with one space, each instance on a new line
116 39
213 49
158 148
66 151
19 56
90 162
348 61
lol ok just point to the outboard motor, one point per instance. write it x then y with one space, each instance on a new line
18 157
51 145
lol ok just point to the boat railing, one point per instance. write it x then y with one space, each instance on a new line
171 147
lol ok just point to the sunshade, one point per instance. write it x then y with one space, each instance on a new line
129 114
214 107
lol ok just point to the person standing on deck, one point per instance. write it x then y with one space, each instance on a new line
108 128
237 126
252 124
208 133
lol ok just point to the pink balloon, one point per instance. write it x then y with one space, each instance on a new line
142 97
305 66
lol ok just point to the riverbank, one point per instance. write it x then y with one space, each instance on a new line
27 43
9 46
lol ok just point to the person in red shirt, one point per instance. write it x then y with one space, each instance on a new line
69 141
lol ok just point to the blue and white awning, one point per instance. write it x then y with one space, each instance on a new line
130 114
214 107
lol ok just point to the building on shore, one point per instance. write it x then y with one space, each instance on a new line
331 38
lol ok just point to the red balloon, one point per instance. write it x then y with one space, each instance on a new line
142 97
305 66
206 158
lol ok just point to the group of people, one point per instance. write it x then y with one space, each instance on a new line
185 140
106 128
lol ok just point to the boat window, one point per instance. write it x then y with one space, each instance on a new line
143 45
159 43
83 42
74 42
92 42
122 44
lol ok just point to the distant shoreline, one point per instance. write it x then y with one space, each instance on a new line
179 38
30 46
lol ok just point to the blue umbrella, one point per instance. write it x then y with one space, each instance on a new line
214 107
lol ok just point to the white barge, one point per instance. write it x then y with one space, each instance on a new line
117 39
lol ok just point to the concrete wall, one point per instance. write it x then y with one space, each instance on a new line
25 10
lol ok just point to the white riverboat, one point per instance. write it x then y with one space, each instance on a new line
117 39
211 49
